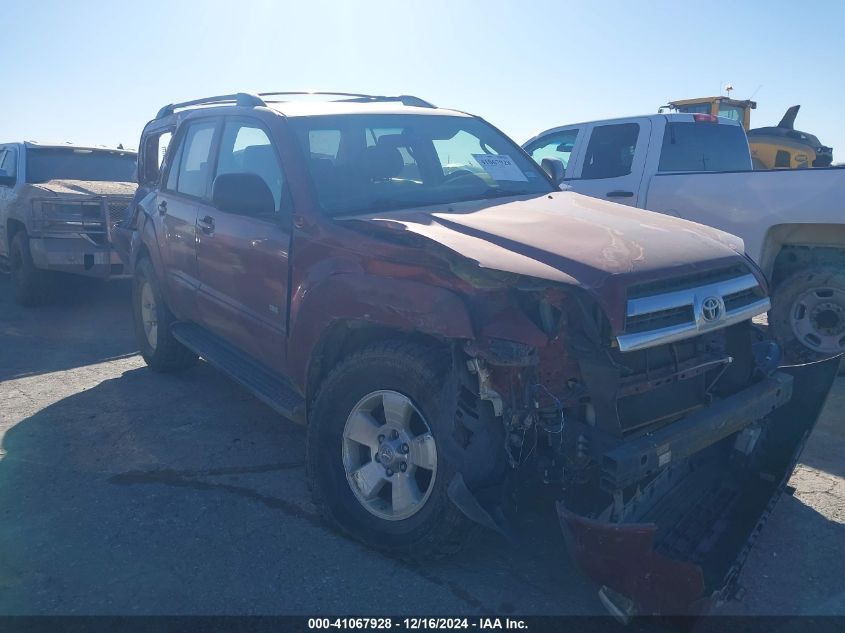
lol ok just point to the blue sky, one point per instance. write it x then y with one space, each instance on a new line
95 72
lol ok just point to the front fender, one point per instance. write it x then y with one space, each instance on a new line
144 242
398 304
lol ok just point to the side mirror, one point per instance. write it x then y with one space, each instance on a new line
5 179
554 168
245 194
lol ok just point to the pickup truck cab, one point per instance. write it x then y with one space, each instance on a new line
58 207
699 167
407 282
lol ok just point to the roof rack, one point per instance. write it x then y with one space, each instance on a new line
240 98
408 100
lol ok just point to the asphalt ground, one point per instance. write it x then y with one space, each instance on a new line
127 492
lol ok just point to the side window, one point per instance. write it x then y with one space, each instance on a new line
163 143
173 162
246 148
558 145
155 148
8 165
610 152
194 160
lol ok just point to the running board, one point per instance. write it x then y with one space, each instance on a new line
262 383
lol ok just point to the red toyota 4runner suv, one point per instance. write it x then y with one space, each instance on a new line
456 331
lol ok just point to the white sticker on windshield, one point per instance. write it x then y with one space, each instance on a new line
500 167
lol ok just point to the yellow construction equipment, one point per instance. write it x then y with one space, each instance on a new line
780 146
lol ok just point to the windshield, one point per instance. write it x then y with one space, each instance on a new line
395 161
71 163
700 146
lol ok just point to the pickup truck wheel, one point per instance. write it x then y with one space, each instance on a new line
152 319
375 461
30 285
808 314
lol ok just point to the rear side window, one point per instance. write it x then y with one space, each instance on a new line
610 152
194 165
704 146
558 145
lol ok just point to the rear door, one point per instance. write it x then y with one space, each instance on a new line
243 259
186 186
613 163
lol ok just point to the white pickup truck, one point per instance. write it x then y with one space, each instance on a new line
698 167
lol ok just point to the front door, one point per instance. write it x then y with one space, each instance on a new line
613 163
243 259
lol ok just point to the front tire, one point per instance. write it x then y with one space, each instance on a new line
808 314
30 284
152 319
378 464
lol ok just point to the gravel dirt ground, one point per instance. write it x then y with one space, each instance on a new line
127 492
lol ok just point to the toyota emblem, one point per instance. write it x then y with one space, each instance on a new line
712 309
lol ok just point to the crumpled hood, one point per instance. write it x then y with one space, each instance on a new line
569 238
86 187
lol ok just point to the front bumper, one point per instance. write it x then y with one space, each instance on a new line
76 255
678 545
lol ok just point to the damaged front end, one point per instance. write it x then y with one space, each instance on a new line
664 459
675 544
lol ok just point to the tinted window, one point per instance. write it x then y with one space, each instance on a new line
558 145
8 161
246 148
193 166
610 153
71 163
395 161
702 146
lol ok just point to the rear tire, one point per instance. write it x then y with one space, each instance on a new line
397 387
152 319
30 284
808 314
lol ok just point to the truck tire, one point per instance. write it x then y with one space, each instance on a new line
377 467
30 284
808 314
152 319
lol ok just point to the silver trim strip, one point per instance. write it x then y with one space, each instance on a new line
688 297
652 338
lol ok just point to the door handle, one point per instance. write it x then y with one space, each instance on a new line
206 224
619 194
162 207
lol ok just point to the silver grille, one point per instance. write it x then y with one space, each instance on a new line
666 317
